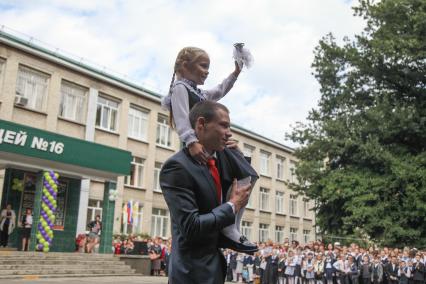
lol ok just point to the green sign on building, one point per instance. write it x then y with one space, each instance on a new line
33 142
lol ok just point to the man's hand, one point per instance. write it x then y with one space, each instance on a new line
239 195
197 152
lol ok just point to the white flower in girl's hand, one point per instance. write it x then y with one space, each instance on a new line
242 55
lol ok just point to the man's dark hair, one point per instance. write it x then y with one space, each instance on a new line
206 109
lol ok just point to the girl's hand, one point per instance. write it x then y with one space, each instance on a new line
237 70
197 152
232 144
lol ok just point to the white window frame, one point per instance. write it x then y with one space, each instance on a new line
2 67
279 202
161 219
247 229
292 174
305 207
164 134
94 210
264 199
73 103
293 234
157 169
293 205
138 123
108 107
263 232
279 234
137 168
280 167
250 203
248 150
33 85
265 160
306 236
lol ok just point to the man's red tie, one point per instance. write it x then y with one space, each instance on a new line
215 173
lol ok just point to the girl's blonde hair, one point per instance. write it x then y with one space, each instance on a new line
187 55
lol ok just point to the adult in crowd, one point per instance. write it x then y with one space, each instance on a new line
7 224
27 222
195 195
95 228
155 256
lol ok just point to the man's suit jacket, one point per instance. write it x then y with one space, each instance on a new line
392 274
197 215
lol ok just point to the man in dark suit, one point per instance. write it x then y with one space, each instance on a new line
195 196
392 271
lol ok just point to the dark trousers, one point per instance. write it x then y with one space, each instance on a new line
4 237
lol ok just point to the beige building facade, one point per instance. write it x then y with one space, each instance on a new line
44 90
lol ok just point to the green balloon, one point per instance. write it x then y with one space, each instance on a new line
45 249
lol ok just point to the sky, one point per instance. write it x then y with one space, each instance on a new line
140 40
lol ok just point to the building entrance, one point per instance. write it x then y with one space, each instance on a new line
19 190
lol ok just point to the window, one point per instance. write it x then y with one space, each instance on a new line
32 85
293 234
292 169
306 235
73 102
136 173
293 205
107 114
163 132
157 170
134 225
246 229
248 150
250 203
138 124
1 72
280 167
264 198
263 232
264 163
159 223
305 207
94 208
279 202
279 234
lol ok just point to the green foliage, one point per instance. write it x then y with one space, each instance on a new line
363 157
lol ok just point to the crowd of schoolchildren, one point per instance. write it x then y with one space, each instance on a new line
315 263
158 251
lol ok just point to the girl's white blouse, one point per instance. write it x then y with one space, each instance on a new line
180 106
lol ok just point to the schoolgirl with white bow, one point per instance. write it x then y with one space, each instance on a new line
191 69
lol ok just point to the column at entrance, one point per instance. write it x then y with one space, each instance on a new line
82 209
107 219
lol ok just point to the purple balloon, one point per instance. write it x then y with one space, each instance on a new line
52 175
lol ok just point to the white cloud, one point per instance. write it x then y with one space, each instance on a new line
141 39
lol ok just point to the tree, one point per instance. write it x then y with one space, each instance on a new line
362 156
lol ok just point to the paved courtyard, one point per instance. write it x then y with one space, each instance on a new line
92 280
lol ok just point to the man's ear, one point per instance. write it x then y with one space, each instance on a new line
200 123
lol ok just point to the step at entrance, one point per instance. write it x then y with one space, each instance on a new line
17 264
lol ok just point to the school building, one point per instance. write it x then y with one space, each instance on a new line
101 133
